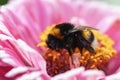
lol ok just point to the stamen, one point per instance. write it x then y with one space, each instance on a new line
59 62
43 36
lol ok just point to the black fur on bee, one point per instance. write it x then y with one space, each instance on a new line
70 37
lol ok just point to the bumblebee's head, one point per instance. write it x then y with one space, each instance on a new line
64 28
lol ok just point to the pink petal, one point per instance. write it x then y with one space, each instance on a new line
106 23
115 29
93 12
69 75
92 75
113 77
113 32
4 30
26 54
26 73
31 55
36 75
39 14
17 53
3 70
16 71
80 74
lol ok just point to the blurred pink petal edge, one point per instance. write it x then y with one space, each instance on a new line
20 59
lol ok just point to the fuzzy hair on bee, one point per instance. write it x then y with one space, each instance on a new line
67 36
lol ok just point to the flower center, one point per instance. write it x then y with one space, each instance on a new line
59 62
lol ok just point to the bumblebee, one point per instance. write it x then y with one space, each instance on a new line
67 36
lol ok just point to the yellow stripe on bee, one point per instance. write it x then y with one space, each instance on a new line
56 32
42 44
86 33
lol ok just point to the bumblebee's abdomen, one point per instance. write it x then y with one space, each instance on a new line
54 43
88 35
77 40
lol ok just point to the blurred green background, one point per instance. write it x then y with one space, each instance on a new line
113 2
2 2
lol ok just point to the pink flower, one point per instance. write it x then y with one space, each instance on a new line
22 21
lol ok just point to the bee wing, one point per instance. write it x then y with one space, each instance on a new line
85 27
88 27
80 28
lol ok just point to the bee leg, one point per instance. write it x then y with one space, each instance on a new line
80 48
70 57
68 44
69 51
70 54
90 49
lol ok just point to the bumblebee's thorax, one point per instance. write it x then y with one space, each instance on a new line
61 30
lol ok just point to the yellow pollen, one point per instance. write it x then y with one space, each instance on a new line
44 35
58 62
104 52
